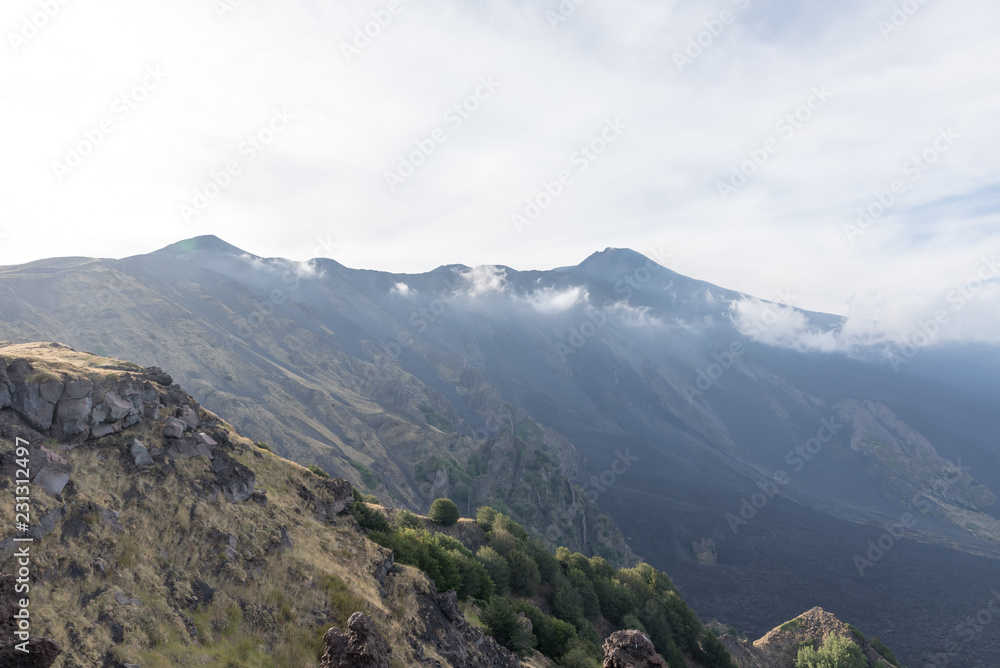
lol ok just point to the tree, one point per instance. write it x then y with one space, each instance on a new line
524 576
444 512
502 622
497 568
485 516
836 652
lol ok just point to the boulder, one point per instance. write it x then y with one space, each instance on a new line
631 649
99 430
361 646
73 415
174 428
141 454
78 388
36 402
205 439
188 416
42 652
117 407
235 480
5 397
49 470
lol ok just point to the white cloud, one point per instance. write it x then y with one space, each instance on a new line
353 121
553 300
484 280
402 289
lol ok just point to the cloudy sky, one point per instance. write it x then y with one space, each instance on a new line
734 140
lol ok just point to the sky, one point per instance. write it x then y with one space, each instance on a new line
841 157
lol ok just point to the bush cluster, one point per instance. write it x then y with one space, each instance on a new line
566 596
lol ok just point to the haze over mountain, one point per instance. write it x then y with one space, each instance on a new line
769 459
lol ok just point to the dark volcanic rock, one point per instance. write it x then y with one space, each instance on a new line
236 481
42 652
457 641
362 646
631 649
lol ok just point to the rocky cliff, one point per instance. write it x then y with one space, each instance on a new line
162 537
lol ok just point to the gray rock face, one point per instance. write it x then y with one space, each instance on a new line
141 454
188 416
78 388
49 470
73 416
117 407
235 480
174 428
631 649
362 646
31 401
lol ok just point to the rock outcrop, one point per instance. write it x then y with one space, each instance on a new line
454 639
361 646
80 408
780 647
631 649
42 652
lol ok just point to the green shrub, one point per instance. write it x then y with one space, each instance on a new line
407 520
485 516
836 652
497 568
318 471
369 518
884 651
367 475
444 512
501 621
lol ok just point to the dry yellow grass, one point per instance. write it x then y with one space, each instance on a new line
270 606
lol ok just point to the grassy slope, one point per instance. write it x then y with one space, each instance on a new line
271 606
